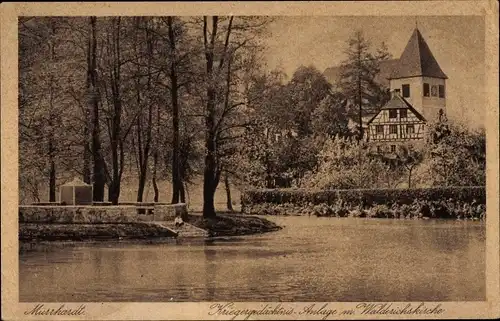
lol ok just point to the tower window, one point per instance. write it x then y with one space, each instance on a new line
406 90
410 129
393 129
393 113
379 150
379 129
441 91
403 113
434 91
427 92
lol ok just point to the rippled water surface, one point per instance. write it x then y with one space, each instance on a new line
311 259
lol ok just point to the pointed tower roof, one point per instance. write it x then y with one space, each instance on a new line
417 60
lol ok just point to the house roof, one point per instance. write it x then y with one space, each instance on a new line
76 182
398 102
417 60
387 68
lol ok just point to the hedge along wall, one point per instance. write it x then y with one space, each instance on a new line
366 197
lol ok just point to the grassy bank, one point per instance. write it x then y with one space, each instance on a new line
232 224
88 232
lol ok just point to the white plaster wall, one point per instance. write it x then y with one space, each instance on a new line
428 106
416 90
432 105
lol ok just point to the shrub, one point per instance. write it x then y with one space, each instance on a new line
449 202
348 163
366 197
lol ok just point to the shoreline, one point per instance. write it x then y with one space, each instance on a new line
34 232
224 225
233 224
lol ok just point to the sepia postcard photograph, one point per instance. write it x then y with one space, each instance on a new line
250 160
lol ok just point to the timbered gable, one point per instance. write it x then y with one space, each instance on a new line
397 121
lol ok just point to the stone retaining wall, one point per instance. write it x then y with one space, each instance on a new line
98 214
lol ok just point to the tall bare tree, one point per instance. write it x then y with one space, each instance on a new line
98 173
226 40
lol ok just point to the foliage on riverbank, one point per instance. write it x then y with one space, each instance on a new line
446 202
80 232
366 197
418 209
233 224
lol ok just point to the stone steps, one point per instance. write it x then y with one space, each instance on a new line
186 230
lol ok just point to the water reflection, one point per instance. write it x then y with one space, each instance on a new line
313 259
210 270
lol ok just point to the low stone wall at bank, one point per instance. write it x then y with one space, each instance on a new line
47 214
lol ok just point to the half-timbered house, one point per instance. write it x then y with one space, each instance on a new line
418 96
395 123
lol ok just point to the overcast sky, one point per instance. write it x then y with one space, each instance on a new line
457 43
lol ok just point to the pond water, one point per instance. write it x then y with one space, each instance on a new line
311 259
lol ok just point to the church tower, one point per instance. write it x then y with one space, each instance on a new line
419 79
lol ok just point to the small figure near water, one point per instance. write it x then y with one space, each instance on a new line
178 221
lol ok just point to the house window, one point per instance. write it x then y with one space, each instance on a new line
434 91
403 113
379 149
406 90
410 129
441 91
427 92
393 148
379 129
393 129
393 113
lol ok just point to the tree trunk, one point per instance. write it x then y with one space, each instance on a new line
143 147
208 201
98 174
52 174
142 179
176 181
116 139
86 172
182 193
212 170
360 102
155 184
210 174
210 135
51 149
142 184
228 193
86 155
114 192
155 156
